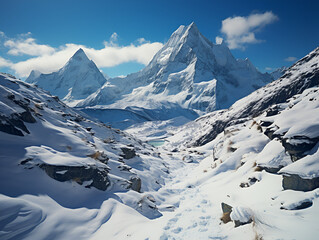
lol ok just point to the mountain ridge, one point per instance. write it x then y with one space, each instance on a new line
76 80
190 71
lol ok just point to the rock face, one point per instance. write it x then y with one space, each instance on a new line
13 121
297 146
295 182
94 176
136 183
128 152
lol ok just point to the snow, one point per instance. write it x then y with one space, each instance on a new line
273 155
189 72
307 167
183 186
77 79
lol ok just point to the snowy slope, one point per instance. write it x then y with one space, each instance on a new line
256 179
54 159
300 76
189 71
76 80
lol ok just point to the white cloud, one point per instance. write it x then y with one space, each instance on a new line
240 31
51 59
269 68
5 62
219 40
290 59
27 46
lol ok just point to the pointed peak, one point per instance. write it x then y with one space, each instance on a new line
192 29
192 26
79 55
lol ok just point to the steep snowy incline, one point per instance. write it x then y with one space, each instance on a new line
76 80
64 164
300 76
189 71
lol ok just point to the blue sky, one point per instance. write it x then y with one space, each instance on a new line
44 34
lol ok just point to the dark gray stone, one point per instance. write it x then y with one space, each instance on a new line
79 174
302 205
226 208
136 183
295 182
298 150
128 152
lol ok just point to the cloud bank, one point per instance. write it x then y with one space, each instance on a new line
46 59
240 31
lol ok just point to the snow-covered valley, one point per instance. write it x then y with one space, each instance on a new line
247 172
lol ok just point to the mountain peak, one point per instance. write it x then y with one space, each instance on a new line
192 27
79 56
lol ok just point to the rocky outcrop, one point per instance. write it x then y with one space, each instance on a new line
136 183
128 152
90 175
295 182
298 145
239 215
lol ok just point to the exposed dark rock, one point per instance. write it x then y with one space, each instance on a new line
274 110
128 152
27 117
302 205
270 133
217 127
26 161
136 183
251 181
124 168
79 174
295 182
273 170
239 223
227 209
298 145
12 125
265 123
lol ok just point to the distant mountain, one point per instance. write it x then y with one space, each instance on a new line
278 72
76 80
189 71
302 75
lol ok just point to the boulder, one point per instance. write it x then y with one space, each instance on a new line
128 152
136 183
298 145
297 183
227 209
97 177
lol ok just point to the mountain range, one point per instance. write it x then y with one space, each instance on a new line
189 76
247 172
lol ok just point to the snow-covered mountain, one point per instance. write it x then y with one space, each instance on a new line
189 71
300 76
249 172
76 80
278 73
